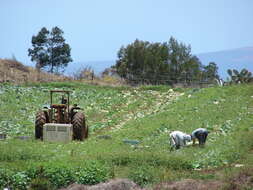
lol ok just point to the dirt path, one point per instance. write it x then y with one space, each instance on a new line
163 100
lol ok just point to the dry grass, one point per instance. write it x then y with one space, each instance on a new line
15 72
105 81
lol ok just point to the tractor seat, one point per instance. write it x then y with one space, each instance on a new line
57 106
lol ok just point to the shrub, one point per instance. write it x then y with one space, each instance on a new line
5 179
54 175
13 180
142 175
92 173
59 175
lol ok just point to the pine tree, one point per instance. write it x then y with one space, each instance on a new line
50 51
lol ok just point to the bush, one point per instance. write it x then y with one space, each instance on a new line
5 179
142 175
57 175
13 180
92 173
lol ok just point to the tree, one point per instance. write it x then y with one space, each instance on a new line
84 73
141 61
211 72
179 57
163 63
49 50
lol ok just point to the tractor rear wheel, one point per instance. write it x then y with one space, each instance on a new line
40 120
80 130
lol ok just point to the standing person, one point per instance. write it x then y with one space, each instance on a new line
200 134
178 139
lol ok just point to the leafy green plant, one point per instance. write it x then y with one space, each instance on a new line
5 178
14 180
59 175
55 175
92 173
142 175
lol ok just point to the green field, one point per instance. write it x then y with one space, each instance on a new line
145 115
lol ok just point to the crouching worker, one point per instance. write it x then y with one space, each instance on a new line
178 139
200 134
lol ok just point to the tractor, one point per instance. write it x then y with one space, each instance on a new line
62 113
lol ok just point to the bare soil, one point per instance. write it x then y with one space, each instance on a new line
115 184
190 184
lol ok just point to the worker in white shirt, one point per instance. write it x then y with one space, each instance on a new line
200 134
178 139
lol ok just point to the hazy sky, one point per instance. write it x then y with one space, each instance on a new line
95 29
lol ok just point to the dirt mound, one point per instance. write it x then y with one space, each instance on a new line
242 180
16 72
238 181
116 184
190 184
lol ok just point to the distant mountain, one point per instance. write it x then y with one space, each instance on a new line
97 66
229 59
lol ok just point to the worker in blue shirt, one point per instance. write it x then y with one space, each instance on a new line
200 134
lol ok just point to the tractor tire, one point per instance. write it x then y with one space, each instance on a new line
80 130
41 119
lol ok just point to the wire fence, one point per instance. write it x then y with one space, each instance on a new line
166 80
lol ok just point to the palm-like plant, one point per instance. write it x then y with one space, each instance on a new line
240 77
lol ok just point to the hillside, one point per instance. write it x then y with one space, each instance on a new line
229 59
129 136
14 71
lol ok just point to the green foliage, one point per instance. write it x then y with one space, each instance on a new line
5 178
244 76
161 63
49 50
59 175
92 173
211 72
14 180
145 114
55 175
142 175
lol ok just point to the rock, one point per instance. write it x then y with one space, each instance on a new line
115 184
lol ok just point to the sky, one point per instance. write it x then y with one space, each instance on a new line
96 29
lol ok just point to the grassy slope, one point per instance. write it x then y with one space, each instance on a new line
144 115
